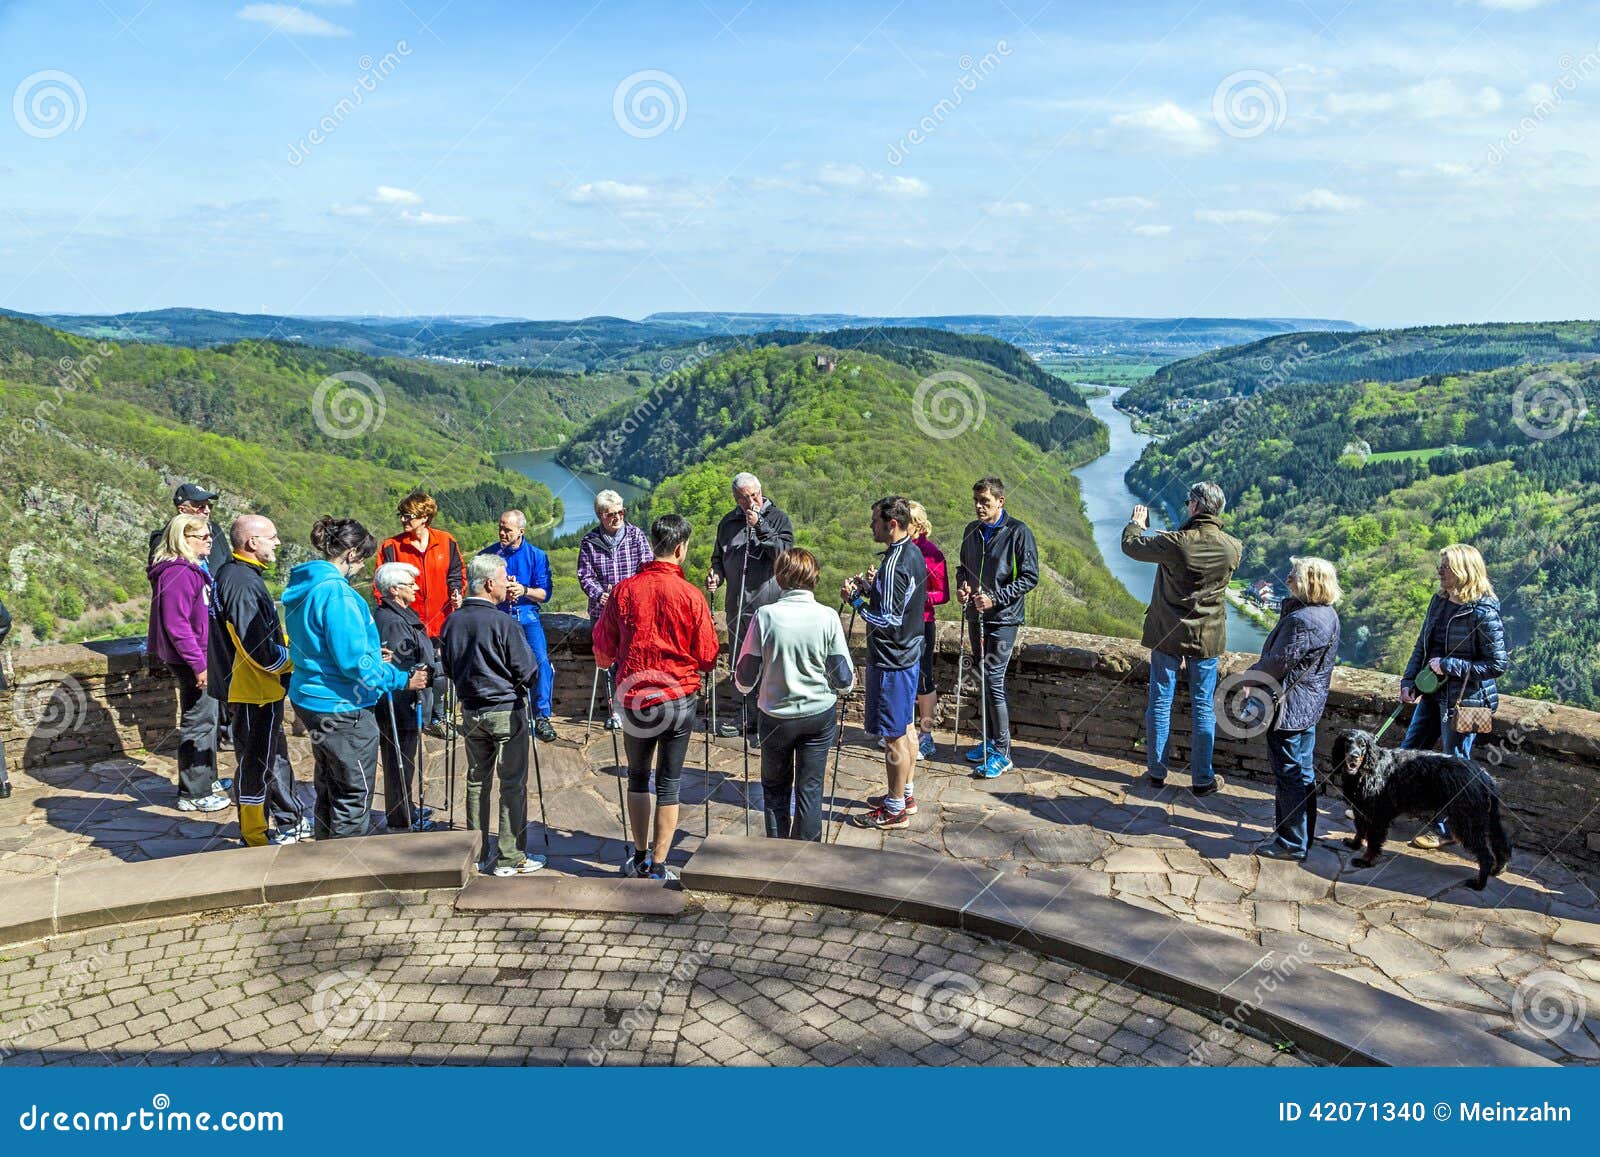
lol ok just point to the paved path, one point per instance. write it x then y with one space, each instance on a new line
1521 959
401 979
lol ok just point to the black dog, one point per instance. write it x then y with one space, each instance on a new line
1381 783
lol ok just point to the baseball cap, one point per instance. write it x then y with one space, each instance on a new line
192 492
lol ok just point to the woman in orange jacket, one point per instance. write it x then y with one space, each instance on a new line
441 576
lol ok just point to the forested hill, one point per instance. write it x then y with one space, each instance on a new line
1369 355
96 434
1379 476
826 444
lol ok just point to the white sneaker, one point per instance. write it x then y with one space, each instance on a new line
206 803
527 868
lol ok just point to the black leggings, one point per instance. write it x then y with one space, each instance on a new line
664 732
925 683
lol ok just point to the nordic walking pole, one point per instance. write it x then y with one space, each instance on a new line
538 780
594 690
983 687
733 648
616 760
711 726
961 675
400 757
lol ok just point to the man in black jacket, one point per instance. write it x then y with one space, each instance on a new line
251 659
890 601
5 779
492 667
749 540
999 566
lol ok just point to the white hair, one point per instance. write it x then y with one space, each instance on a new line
481 568
745 481
519 519
607 500
392 574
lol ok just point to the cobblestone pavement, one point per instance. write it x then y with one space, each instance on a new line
402 979
1521 959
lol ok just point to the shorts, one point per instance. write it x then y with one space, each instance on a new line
925 683
891 701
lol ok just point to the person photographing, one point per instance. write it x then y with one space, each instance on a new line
748 541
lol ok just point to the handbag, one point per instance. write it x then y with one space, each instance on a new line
1471 720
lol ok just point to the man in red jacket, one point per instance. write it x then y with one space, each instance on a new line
659 625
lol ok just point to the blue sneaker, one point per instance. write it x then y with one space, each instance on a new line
976 754
925 747
996 765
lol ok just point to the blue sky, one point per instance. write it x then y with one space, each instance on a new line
1389 163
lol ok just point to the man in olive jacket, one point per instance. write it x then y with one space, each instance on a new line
1186 624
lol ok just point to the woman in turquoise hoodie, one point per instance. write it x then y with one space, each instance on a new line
339 673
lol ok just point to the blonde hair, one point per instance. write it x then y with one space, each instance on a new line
1316 580
920 526
176 543
1465 565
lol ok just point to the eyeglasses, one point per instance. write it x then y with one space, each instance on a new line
186 534
620 512
413 517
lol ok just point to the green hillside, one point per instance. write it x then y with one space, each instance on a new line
97 434
827 444
1379 476
1369 355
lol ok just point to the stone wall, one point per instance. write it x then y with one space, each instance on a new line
1067 691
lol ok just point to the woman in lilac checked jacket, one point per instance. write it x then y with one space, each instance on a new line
609 553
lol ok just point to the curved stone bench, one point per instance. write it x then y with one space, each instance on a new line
1327 1014
234 877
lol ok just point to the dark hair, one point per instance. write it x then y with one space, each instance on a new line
796 570
667 533
990 485
895 508
332 537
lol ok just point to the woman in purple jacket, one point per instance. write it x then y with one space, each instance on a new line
180 622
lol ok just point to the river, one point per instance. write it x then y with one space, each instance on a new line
575 488
1107 500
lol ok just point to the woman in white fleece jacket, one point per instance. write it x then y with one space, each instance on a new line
795 652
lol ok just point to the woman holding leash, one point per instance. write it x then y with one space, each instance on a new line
1299 655
1463 642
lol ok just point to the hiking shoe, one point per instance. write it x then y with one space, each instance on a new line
636 865
925 746
422 824
1152 781
440 729
214 802
978 754
876 801
882 820
543 729
614 721
528 866
5 791
661 872
1200 789
1429 840
305 830
1273 850
280 838
996 765
221 786
728 730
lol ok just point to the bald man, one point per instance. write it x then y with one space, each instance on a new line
250 636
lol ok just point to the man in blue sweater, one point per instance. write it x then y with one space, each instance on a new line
528 583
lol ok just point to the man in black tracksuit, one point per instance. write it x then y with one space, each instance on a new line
247 637
891 602
492 667
5 779
999 566
749 540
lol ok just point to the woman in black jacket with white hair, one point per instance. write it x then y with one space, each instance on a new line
5 780
1463 642
408 647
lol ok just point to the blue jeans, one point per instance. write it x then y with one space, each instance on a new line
1295 809
1430 730
539 697
1158 715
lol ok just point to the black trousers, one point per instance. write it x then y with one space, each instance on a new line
994 652
794 757
400 743
266 781
345 747
197 735
663 733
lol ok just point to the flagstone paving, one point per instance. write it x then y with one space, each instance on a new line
1521 959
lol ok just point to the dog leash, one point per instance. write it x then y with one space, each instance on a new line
1422 681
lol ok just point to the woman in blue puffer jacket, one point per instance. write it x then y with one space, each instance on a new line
1299 657
1463 641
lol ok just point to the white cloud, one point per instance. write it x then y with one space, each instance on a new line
351 210
1010 209
1432 100
611 193
591 244
1122 205
1327 201
1165 126
389 195
1512 5
1230 217
290 19
423 217
855 179
1152 230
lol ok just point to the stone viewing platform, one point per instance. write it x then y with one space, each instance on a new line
1518 964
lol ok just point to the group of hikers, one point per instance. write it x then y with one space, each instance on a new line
367 683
